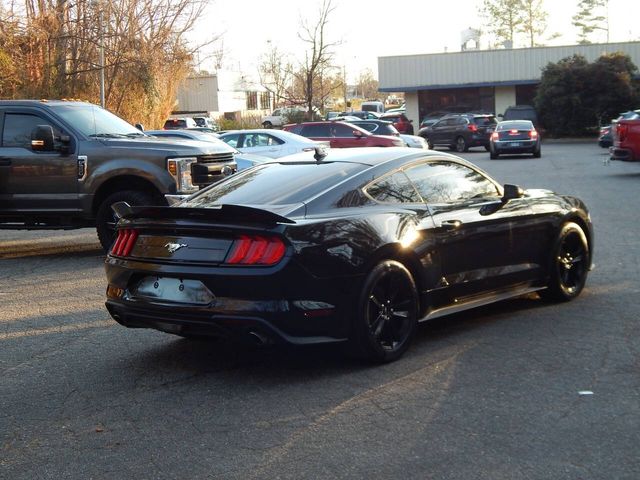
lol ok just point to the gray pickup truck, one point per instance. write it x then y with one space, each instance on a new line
64 163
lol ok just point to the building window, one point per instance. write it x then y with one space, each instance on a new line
252 100
265 101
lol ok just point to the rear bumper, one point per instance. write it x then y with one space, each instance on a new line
621 153
524 146
288 305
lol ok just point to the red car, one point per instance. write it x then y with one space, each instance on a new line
626 140
400 121
342 135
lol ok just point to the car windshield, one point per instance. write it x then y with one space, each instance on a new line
275 184
95 121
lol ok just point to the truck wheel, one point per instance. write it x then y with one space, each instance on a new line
106 219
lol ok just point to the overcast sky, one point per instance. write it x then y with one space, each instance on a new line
368 29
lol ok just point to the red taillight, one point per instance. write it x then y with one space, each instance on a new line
472 127
533 134
124 243
622 130
256 250
495 136
513 131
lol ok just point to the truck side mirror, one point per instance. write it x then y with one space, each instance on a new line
42 139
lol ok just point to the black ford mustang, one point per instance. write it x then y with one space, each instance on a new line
356 246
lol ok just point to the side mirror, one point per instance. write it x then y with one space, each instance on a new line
511 192
357 133
42 139
139 126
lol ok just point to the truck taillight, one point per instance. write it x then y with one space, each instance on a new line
124 243
256 250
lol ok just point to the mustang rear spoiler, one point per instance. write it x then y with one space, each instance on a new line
216 213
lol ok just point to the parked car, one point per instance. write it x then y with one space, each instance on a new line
521 112
280 116
356 247
518 136
268 142
400 121
243 160
382 127
372 106
460 131
342 135
626 139
605 137
362 114
176 123
206 122
432 117
377 127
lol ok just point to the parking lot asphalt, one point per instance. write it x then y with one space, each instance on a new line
518 390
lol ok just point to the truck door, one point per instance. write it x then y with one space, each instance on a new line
35 182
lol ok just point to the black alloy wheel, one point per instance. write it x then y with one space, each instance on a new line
461 145
387 313
106 219
569 265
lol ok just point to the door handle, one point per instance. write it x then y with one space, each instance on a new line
5 161
451 224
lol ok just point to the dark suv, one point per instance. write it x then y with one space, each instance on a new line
461 131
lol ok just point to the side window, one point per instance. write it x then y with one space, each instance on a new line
318 130
271 140
231 140
18 128
443 182
341 131
395 188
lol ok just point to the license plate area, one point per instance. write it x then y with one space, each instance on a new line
515 144
172 290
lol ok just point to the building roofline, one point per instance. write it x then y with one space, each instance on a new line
542 47
459 85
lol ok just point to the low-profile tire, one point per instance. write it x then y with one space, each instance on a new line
569 265
537 153
387 313
460 145
493 155
267 125
106 219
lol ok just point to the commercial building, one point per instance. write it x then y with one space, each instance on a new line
479 80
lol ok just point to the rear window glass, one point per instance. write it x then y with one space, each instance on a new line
318 130
521 125
482 121
175 123
275 184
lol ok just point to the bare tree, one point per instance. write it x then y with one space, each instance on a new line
276 73
318 56
147 56
367 85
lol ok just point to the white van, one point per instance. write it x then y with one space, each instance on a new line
377 107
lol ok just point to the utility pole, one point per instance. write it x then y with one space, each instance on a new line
101 58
